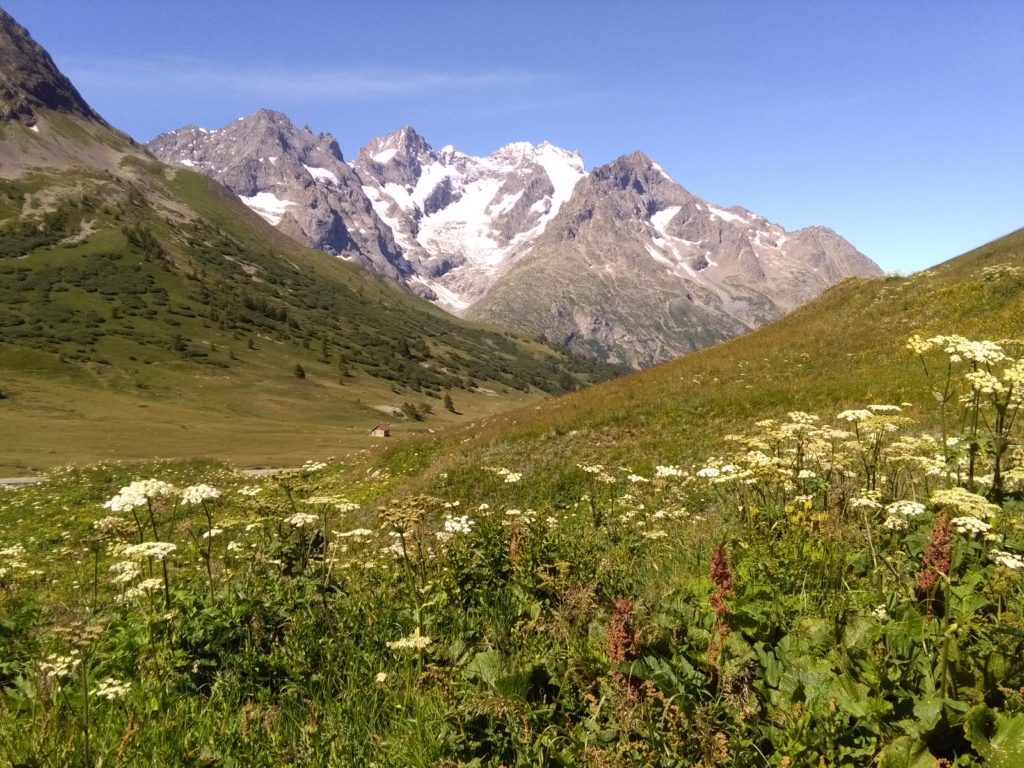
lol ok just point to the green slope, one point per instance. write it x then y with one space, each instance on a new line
142 303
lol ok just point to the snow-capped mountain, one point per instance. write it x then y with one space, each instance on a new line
621 263
636 269
296 180
461 221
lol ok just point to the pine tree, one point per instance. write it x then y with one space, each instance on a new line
300 372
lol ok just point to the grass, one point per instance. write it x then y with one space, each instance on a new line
781 604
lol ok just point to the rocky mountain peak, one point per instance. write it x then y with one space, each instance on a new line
635 171
29 80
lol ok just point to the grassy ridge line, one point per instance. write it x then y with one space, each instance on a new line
846 348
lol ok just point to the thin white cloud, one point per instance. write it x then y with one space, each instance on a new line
363 84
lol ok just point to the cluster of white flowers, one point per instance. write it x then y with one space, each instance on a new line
302 519
14 556
984 382
251 490
656 533
110 688
905 508
138 494
507 474
970 525
144 588
959 349
356 533
124 571
863 502
413 642
525 515
709 472
196 494
965 502
885 409
155 549
667 471
855 415
1007 559
314 466
212 533
458 524
55 667
881 613
895 523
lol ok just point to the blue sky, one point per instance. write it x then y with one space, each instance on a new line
898 124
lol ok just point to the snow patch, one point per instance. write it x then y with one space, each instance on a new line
321 174
187 163
268 205
34 128
726 215
445 297
661 170
661 219
385 156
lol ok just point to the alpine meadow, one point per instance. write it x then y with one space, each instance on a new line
799 547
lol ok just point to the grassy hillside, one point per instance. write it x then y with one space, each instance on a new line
146 312
776 552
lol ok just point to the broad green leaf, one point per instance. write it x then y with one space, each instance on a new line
905 752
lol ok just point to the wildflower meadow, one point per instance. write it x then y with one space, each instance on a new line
828 589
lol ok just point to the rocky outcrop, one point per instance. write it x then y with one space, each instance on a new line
29 79
293 178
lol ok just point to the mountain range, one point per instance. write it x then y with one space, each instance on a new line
621 263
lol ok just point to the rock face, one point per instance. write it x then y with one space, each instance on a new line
295 180
29 79
622 263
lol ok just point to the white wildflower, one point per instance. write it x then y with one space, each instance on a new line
155 549
1007 559
667 471
124 571
110 688
413 642
905 508
196 494
456 525
970 525
884 409
894 523
302 519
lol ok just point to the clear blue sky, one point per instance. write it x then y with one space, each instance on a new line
898 124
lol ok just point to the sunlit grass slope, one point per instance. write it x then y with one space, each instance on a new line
845 349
